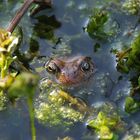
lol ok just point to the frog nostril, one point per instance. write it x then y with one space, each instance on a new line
74 72
62 73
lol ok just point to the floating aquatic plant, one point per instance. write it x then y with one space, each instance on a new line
126 58
58 108
99 25
131 6
106 123
134 55
128 61
131 105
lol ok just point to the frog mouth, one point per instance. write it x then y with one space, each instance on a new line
67 81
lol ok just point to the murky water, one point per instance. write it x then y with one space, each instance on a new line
68 18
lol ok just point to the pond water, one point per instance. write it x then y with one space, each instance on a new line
41 35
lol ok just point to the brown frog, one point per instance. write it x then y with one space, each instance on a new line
71 71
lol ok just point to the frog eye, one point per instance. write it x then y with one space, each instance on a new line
51 68
85 66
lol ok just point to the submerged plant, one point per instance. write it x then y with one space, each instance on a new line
45 27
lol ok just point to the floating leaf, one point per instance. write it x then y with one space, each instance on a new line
105 133
106 122
100 26
96 23
131 106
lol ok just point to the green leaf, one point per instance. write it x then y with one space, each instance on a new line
23 86
105 133
130 105
96 24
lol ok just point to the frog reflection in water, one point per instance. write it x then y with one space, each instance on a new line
71 71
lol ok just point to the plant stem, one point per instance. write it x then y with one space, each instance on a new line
14 22
3 70
31 115
19 15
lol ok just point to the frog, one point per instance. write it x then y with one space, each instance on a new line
71 71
